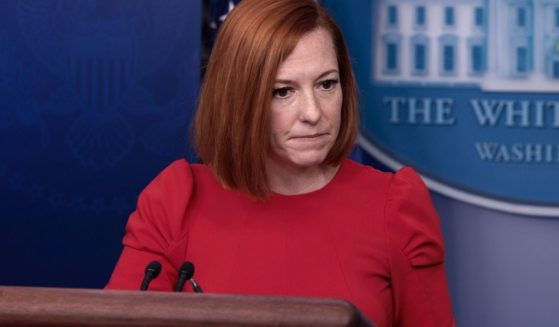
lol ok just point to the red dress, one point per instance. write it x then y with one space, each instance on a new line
368 237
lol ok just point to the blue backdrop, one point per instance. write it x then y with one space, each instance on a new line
95 99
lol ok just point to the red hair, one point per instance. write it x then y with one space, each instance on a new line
232 121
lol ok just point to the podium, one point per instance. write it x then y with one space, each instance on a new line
31 306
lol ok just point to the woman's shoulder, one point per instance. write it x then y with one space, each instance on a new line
180 174
365 179
390 182
410 218
177 185
359 170
412 221
178 170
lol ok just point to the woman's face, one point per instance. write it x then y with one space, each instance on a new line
306 104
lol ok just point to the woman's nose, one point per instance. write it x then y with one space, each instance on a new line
309 110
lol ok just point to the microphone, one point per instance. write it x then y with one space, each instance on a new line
152 271
195 286
186 272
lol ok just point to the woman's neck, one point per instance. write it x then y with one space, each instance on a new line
292 180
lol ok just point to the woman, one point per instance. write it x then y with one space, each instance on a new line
276 208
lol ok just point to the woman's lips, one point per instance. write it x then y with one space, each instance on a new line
310 136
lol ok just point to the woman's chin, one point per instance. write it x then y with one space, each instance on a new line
299 159
307 160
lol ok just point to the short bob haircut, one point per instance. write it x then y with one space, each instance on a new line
232 120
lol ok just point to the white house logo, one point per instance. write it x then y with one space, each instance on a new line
468 93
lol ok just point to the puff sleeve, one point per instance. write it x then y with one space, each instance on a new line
416 247
156 230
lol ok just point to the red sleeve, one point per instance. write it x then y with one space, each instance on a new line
421 297
156 231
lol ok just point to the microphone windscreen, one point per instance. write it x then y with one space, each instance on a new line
186 271
154 268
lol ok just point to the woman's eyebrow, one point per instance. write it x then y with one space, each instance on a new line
286 81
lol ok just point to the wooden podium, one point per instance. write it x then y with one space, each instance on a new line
27 306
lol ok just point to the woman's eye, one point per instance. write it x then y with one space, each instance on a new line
328 84
281 92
